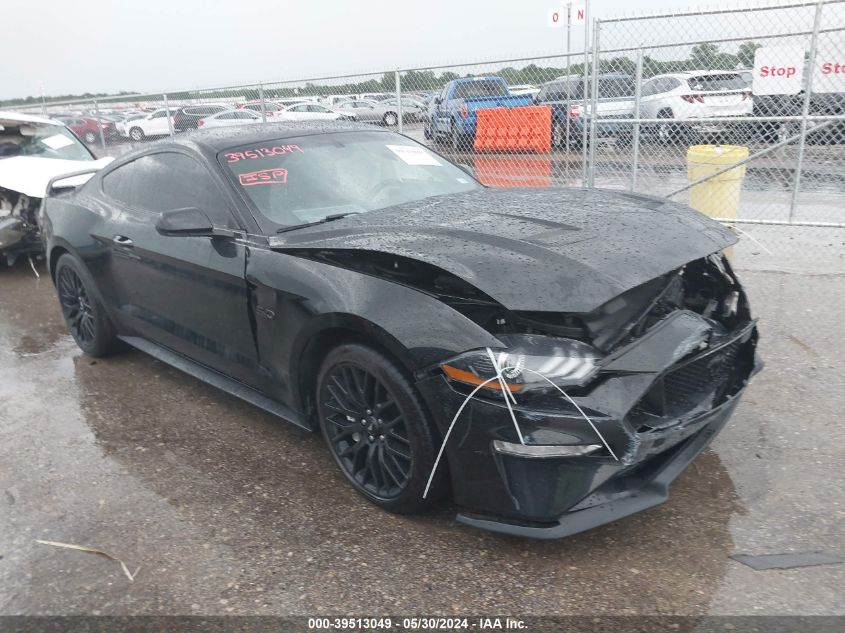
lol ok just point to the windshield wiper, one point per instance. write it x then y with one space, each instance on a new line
328 218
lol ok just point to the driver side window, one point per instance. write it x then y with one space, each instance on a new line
165 181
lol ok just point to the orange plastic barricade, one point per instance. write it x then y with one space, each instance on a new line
514 129
501 171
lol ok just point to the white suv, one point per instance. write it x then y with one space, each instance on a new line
154 124
695 95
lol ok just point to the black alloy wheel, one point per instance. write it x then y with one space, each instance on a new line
85 318
377 429
367 431
76 306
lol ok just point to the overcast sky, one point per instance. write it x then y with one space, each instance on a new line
145 45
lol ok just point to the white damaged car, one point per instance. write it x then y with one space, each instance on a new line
33 151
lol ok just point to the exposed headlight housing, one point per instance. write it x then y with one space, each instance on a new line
528 362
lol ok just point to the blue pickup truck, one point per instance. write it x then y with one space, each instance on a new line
452 114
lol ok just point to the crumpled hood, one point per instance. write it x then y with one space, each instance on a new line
30 174
560 250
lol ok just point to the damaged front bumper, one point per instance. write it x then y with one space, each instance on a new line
562 477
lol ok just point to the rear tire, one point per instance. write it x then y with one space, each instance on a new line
558 135
672 132
90 137
377 429
624 141
390 119
84 315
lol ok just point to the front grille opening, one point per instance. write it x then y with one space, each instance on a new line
696 386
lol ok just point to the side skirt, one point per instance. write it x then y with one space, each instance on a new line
216 379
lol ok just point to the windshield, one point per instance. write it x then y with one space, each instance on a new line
22 138
295 181
714 83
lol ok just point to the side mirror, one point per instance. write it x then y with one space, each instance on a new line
185 222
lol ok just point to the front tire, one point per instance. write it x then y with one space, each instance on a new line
136 134
90 138
377 429
84 315
428 134
460 142
390 119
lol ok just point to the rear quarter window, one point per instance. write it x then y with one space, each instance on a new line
117 184
480 88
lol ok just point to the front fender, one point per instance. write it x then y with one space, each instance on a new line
296 298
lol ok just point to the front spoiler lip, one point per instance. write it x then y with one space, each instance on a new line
653 493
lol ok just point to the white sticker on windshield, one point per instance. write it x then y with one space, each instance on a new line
414 155
57 141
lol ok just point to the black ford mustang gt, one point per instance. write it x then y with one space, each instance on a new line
552 358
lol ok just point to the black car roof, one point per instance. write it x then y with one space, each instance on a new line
217 139
210 142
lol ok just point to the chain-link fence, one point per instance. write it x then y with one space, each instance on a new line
696 82
738 112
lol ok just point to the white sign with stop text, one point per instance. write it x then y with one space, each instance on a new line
778 70
829 69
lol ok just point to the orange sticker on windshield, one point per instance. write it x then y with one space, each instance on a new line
277 176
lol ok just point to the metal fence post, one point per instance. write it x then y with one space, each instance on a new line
585 74
99 124
635 140
399 98
263 104
567 119
805 109
167 113
594 98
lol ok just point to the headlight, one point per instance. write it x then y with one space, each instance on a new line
528 362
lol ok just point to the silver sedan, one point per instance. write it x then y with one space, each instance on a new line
370 111
412 109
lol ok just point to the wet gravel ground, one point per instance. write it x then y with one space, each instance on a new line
227 510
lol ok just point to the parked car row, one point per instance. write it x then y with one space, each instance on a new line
137 126
694 105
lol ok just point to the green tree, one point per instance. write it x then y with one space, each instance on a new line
388 82
745 53
702 56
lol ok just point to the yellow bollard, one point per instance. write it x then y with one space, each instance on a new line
719 196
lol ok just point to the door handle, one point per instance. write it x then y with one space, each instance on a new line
122 240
